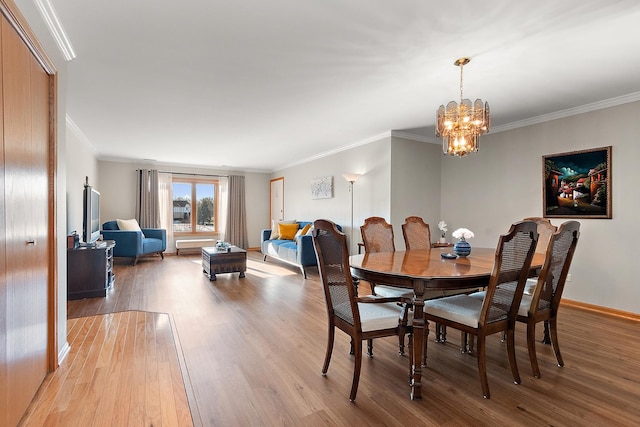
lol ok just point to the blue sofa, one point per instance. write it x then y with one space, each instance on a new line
132 244
299 252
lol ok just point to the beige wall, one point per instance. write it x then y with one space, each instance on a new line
502 183
81 164
415 185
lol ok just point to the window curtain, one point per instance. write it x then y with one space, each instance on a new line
147 200
222 206
165 197
236 229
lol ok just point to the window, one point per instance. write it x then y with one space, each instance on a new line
195 203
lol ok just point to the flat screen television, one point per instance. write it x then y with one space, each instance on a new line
91 215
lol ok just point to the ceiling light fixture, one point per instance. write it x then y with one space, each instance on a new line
460 125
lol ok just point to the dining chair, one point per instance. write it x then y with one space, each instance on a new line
544 303
377 236
545 230
416 233
362 318
497 311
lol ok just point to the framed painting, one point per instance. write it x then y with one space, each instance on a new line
322 188
577 184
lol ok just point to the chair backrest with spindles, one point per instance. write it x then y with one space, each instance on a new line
377 235
416 233
545 230
510 271
556 267
333 265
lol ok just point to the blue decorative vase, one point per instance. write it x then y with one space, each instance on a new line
462 248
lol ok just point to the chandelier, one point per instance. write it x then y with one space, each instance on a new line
460 125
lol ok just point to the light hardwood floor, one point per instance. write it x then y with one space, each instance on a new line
122 369
251 351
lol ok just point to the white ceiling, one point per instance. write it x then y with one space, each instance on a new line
259 85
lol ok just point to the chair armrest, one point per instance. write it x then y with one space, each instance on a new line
157 233
265 234
306 254
128 243
377 300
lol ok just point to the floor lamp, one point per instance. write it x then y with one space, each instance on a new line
351 177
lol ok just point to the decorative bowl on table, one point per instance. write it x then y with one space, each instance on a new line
223 246
462 248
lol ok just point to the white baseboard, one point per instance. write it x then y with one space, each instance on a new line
64 351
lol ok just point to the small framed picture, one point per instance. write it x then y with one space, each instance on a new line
577 184
322 188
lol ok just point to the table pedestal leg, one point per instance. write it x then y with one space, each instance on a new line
419 325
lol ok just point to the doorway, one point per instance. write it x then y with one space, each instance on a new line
277 199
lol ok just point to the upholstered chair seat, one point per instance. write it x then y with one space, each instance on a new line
374 316
458 308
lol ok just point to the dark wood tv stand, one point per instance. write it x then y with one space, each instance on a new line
90 270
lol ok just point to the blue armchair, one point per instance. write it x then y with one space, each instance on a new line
132 244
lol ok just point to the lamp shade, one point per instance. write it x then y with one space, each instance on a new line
351 177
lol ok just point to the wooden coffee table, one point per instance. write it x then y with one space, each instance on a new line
216 261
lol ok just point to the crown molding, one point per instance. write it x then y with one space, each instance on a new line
55 28
79 134
415 137
587 108
157 164
336 150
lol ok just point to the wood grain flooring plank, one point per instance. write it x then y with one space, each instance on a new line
152 409
107 408
75 365
187 410
124 368
129 375
137 373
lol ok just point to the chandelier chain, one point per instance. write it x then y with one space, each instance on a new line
461 68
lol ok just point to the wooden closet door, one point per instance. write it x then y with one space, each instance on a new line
26 118
4 393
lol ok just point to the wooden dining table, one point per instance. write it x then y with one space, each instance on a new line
425 270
